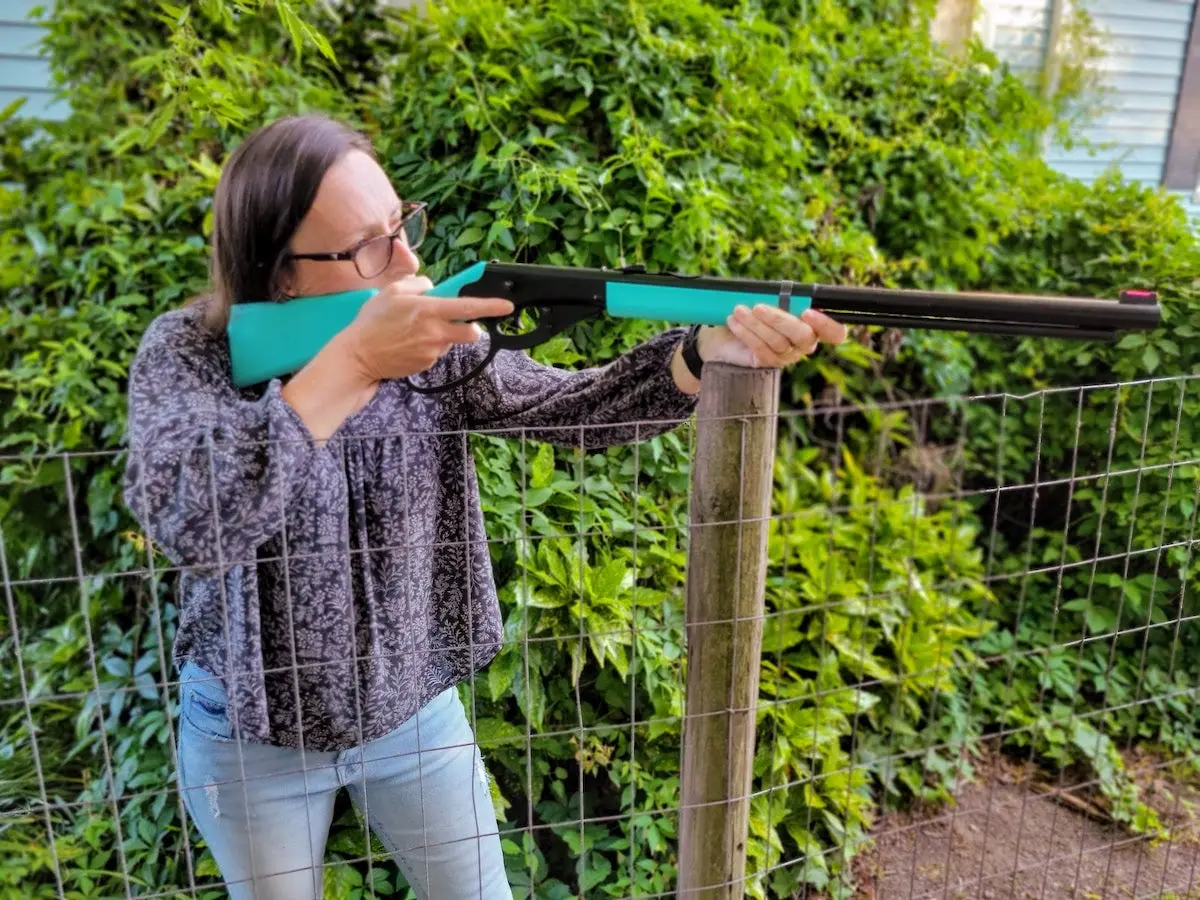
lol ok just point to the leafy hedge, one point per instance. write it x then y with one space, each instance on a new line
831 140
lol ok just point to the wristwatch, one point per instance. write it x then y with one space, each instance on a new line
691 353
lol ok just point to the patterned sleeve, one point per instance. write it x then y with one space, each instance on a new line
634 397
210 475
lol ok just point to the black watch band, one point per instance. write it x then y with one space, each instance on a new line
691 354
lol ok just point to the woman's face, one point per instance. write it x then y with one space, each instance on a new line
355 201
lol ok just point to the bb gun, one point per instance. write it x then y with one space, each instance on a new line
270 340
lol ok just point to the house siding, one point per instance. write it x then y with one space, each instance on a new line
1145 44
24 71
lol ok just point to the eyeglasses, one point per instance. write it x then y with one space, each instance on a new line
372 256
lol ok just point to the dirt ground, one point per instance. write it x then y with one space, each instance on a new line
1018 835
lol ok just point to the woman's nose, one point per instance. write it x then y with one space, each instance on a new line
404 260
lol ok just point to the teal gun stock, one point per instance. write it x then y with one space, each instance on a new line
270 340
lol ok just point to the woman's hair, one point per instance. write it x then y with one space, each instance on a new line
265 191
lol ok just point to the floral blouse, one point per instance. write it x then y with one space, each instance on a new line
337 588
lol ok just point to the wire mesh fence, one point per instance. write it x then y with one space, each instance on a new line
970 649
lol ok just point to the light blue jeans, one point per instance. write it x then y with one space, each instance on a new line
265 811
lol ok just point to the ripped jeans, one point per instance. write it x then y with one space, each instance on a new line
265 811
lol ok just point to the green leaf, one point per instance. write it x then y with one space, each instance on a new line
489 730
36 239
543 466
1100 620
469 237
340 880
596 872
611 580
116 665
501 673
1150 358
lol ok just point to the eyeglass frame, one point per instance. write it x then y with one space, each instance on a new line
415 208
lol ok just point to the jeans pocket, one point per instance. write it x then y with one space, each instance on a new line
205 710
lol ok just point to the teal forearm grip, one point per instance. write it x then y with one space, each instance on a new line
690 305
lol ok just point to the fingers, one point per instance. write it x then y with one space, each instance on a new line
825 329
769 329
828 331
780 338
463 309
467 309
797 331
460 332
755 336
775 337
451 309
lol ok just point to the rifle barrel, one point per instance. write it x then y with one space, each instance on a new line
1071 316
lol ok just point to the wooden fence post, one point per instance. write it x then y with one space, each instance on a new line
727 562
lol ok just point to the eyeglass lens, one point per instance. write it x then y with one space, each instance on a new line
376 255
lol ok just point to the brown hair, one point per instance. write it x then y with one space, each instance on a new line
265 191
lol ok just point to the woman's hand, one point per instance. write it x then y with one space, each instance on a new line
762 337
400 332
768 337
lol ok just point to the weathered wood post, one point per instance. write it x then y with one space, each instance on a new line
727 561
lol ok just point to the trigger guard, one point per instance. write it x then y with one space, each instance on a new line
501 341
450 385
554 319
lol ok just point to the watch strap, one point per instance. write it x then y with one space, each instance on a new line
691 352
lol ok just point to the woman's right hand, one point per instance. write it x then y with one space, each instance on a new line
400 331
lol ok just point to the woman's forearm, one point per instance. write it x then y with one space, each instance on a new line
328 390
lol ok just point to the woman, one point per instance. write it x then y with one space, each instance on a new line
335 581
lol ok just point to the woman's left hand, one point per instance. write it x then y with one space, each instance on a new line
768 337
